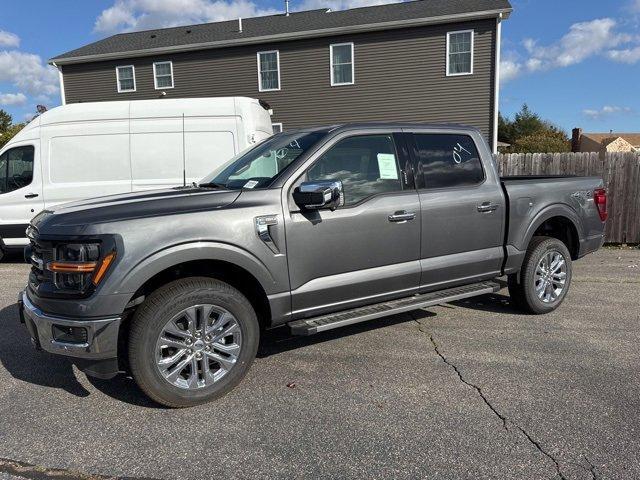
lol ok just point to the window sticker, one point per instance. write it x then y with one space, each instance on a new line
250 184
387 166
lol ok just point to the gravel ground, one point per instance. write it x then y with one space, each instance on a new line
472 389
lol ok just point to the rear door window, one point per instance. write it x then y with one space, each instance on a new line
446 161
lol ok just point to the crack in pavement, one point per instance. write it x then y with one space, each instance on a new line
37 472
505 420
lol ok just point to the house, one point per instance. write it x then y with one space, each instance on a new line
418 61
604 142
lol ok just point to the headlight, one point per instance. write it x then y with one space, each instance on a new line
78 265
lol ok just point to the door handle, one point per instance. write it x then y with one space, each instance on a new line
402 216
487 207
31 195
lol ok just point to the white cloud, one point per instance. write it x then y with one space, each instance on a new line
8 39
627 55
27 72
341 4
13 99
583 41
605 111
129 15
509 69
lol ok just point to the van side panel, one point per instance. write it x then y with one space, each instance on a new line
84 159
156 152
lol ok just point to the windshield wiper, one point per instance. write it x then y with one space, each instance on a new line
213 184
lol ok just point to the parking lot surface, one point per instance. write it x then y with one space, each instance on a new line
472 389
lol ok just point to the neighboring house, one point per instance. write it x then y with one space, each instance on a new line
604 142
418 61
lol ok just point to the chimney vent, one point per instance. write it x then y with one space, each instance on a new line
576 135
286 7
240 24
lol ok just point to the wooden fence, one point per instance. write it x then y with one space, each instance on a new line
621 174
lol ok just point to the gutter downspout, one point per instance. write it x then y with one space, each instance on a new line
63 97
496 92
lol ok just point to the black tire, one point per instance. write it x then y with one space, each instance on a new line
158 309
522 286
1 253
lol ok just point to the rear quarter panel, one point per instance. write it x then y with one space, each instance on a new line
533 201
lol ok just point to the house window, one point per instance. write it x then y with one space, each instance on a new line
126 77
342 64
268 71
163 75
460 53
277 127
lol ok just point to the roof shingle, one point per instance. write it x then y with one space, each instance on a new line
210 35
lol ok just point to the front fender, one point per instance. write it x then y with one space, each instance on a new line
194 251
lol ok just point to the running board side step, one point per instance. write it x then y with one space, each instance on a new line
313 325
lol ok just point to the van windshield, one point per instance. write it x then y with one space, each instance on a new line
259 166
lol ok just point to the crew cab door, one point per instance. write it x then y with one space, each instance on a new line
365 251
462 208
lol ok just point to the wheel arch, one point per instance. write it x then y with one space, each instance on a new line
557 221
226 262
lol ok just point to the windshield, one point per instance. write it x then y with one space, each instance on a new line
259 166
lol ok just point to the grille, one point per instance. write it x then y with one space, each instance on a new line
41 253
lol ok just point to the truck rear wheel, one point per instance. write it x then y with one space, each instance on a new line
192 341
543 282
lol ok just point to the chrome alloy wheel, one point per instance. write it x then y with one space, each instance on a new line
198 346
551 276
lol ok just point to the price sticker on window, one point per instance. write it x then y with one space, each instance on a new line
387 166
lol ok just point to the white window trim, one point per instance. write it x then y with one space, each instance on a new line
472 32
279 124
155 76
260 89
133 70
353 65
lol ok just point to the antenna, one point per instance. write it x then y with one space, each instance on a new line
240 24
184 161
286 7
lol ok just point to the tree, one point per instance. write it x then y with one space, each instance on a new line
5 121
528 133
8 129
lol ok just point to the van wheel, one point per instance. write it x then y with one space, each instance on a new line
192 341
1 253
544 280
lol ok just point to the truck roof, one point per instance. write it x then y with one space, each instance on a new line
394 125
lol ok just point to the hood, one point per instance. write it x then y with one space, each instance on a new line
128 206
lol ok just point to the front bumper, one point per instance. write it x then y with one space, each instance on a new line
101 340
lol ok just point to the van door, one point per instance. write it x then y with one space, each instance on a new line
20 192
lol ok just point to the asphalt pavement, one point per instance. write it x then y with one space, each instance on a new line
472 389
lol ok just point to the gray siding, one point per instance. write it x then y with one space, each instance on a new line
399 76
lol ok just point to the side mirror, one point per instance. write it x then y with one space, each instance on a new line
318 195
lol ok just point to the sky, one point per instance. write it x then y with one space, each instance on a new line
574 62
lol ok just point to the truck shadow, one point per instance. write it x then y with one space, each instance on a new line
24 363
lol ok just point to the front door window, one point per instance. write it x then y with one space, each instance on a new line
16 168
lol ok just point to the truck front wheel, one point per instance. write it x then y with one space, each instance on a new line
543 282
192 341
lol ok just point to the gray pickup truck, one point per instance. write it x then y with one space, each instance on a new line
313 230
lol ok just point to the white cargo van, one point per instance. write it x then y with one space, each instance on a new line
88 150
